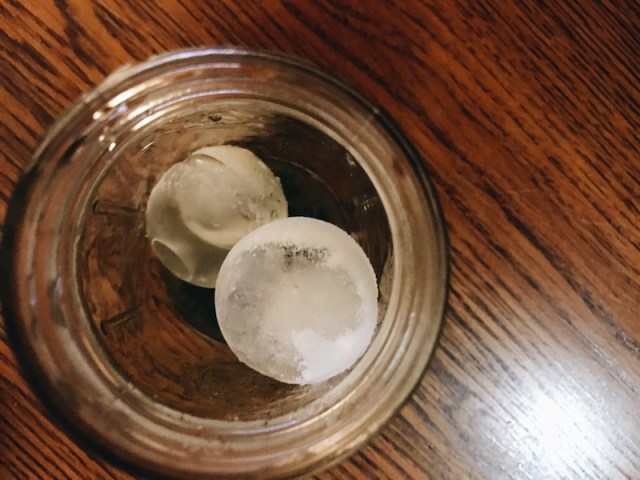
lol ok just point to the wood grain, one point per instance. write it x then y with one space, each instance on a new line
527 114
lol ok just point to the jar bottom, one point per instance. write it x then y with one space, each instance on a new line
160 332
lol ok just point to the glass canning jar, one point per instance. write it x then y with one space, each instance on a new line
128 357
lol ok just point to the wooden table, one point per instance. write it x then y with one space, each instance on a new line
527 114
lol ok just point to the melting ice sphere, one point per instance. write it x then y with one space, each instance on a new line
203 205
297 300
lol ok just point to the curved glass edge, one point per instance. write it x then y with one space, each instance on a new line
12 229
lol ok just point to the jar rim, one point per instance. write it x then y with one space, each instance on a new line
20 250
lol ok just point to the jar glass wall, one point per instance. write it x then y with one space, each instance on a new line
130 357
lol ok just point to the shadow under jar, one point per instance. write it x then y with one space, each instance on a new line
131 357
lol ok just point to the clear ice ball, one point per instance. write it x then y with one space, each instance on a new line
203 205
296 300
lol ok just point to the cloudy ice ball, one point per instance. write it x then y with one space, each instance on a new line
203 205
296 300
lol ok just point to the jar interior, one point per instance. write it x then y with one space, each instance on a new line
160 332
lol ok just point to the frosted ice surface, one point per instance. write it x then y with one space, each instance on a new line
297 300
203 205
